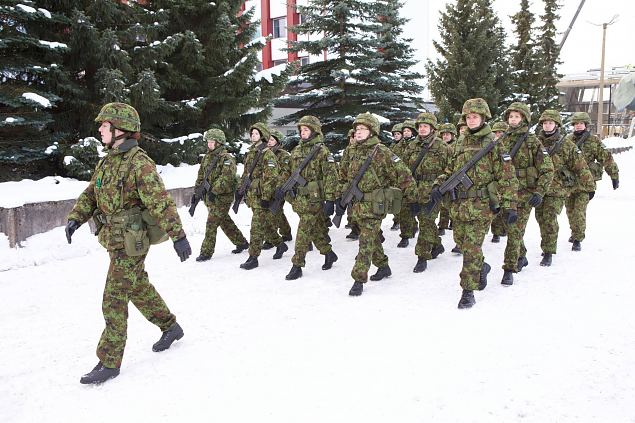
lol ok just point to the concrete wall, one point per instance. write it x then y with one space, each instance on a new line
19 223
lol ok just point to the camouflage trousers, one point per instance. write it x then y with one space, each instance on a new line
370 249
407 222
469 236
515 233
127 281
311 229
498 225
282 224
444 217
262 227
576 205
218 216
395 219
428 236
547 217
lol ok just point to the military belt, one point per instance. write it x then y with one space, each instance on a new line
477 193
120 217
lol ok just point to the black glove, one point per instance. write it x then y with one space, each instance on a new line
339 210
71 227
182 248
265 204
494 209
211 196
193 200
616 183
415 209
512 216
329 207
591 195
435 195
535 200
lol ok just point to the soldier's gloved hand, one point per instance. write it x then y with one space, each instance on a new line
512 216
435 195
415 209
591 195
71 227
339 210
535 200
329 207
193 200
265 204
495 209
182 248
211 196
616 183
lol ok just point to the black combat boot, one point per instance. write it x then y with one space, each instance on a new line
287 238
394 227
456 250
382 272
467 299
354 235
251 263
422 264
267 245
441 231
203 257
482 281
381 237
522 262
496 239
546 259
240 248
508 278
437 250
403 243
99 374
329 259
571 238
174 333
294 273
576 245
356 289
280 249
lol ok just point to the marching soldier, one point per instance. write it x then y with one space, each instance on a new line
131 208
283 157
396 148
448 135
407 221
498 224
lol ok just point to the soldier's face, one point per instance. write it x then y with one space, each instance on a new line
473 120
211 144
407 133
305 132
514 118
579 126
498 134
424 129
272 142
361 133
548 125
397 136
447 136
255 135
106 133
462 129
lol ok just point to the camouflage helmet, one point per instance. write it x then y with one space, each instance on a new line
447 127
214 134
310 122
519 107
277 135
581 117
550 114
120 115
500 126
428 118
461 123
409 123
397 128
262 128
476 105
367 119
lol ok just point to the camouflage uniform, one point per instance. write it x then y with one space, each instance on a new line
218 200
407 221
433 164
396 147
598 158
498 223
385 170
571 173
470 212
534 171
444 209
283 157
321 177
126 178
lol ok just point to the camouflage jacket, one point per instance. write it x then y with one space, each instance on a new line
125 178
493 174
432 165
320 175
400 147
596 155
386 170
283 157
570 169
532 163
264 178
222 178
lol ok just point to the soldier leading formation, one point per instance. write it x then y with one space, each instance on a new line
474 177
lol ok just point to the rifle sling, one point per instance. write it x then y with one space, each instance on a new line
305 162
556 147
420 158
254 163
475 159
518 144
209 170
582 139
362 170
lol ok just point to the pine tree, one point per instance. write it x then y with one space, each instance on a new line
548 53
473 62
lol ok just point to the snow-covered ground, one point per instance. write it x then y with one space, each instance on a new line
557 346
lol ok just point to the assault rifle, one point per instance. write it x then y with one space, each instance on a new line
246 183
353 192
556 147
295 180
203 188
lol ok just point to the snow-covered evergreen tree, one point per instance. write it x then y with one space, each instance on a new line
547 60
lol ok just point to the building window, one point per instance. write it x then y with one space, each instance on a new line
279 62
279 27
304 61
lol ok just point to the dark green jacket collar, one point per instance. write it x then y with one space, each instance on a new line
125 146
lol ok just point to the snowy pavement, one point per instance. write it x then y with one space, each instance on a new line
557 346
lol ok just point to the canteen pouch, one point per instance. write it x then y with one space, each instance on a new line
156 235
135 238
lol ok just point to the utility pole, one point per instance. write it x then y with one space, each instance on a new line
601 92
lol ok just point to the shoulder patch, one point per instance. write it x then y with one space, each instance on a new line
506 157
544 151
227 162
395 158
271 163
330 158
